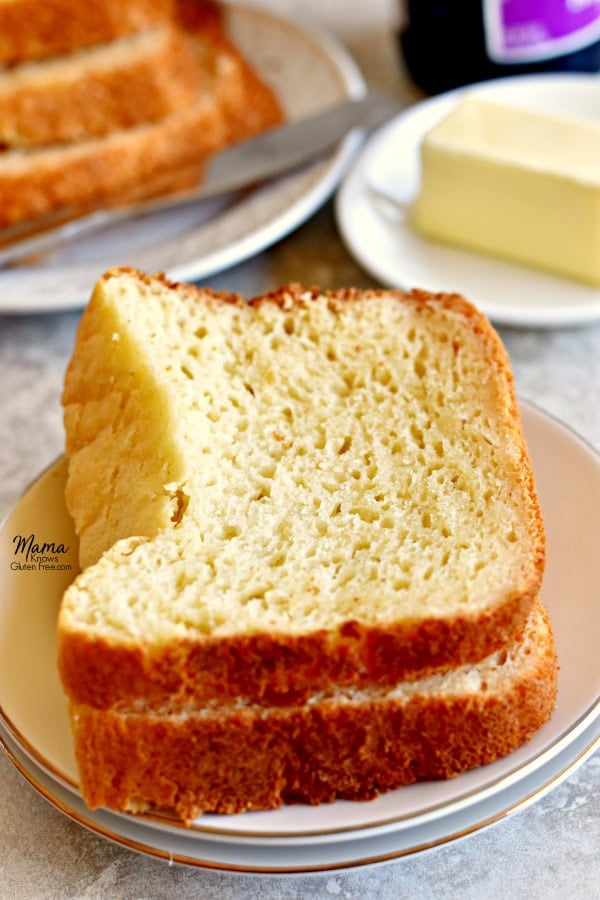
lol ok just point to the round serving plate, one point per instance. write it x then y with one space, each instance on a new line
33 710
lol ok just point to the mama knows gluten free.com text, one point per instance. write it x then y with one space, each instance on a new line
34 555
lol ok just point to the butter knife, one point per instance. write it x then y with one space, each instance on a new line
239 166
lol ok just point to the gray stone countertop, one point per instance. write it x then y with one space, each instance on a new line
549 850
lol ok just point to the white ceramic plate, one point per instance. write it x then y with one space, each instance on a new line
297 858
380 237
32 705
309 70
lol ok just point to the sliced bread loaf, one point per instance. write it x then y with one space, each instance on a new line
89 93
312 489
232 104
349 743
136 138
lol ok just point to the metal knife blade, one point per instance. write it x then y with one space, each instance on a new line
241 165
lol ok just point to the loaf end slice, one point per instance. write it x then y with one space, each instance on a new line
306 490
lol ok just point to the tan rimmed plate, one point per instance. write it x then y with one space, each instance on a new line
33 711
322 857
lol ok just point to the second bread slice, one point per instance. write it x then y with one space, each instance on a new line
349 743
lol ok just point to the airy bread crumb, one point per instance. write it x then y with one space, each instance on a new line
311 487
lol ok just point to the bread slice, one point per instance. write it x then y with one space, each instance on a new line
350 743
312 489
86 173
33 30
137 78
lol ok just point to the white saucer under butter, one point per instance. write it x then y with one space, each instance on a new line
378 232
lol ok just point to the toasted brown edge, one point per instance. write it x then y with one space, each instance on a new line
283 669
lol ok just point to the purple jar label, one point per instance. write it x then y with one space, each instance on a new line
532 30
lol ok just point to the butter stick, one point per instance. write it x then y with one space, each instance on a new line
516 184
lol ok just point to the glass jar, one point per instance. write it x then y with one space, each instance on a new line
448 43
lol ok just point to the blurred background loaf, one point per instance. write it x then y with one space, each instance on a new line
122 102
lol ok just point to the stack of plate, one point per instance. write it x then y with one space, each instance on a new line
34 729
